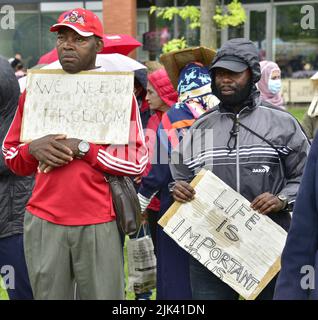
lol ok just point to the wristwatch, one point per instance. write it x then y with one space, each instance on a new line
284 199
83 148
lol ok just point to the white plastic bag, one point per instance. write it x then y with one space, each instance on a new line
142 263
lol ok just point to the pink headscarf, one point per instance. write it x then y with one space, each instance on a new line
267 68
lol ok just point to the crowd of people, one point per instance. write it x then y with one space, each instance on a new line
56 202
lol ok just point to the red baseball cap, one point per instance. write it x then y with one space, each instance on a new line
83 21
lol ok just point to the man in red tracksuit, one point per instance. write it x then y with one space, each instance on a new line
71 234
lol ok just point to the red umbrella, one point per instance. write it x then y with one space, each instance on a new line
113 43
119 43
49 57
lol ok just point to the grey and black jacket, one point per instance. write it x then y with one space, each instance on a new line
260 149
14 191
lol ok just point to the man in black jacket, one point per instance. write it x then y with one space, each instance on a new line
256 149
14 194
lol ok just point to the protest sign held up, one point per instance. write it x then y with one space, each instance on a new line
93 106
219 229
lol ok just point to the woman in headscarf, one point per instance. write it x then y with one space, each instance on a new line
270 84
14 194
195 98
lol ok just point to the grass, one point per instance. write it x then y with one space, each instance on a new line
297 112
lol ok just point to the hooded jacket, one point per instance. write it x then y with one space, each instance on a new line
14 190
245 161
165 90
162 84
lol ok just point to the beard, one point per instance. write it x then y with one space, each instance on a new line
239 96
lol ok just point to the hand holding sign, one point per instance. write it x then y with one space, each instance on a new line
183 192
266 203
71 144
221 230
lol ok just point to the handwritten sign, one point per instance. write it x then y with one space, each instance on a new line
219 229
93 106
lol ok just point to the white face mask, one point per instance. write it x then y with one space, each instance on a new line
274 86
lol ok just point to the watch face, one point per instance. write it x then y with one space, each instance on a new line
282 197
83 146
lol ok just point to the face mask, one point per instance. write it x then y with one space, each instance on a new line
274 86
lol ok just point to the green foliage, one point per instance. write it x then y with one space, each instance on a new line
3 292
191 13
174 44
234 14
188 12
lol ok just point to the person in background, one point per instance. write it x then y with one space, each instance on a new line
160 97
310 119
15 191
140 91
310 122
18 68
270 84
195 98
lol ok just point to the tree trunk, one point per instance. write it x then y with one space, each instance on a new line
208 28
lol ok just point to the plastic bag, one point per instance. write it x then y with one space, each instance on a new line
142 263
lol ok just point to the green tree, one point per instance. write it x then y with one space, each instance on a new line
209 17
174 44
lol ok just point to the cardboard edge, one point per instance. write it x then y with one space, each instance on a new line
163 221
61 71
270 274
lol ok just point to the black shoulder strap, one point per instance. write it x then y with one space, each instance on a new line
268 142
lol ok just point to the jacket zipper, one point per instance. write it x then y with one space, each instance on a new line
237 130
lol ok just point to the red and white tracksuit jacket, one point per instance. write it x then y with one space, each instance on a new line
77 193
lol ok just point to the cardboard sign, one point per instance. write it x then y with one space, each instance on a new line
220 230
93 106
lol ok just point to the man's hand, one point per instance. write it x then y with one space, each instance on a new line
51 151
183 192
266 203
144 217
72 144
137 179
68 144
